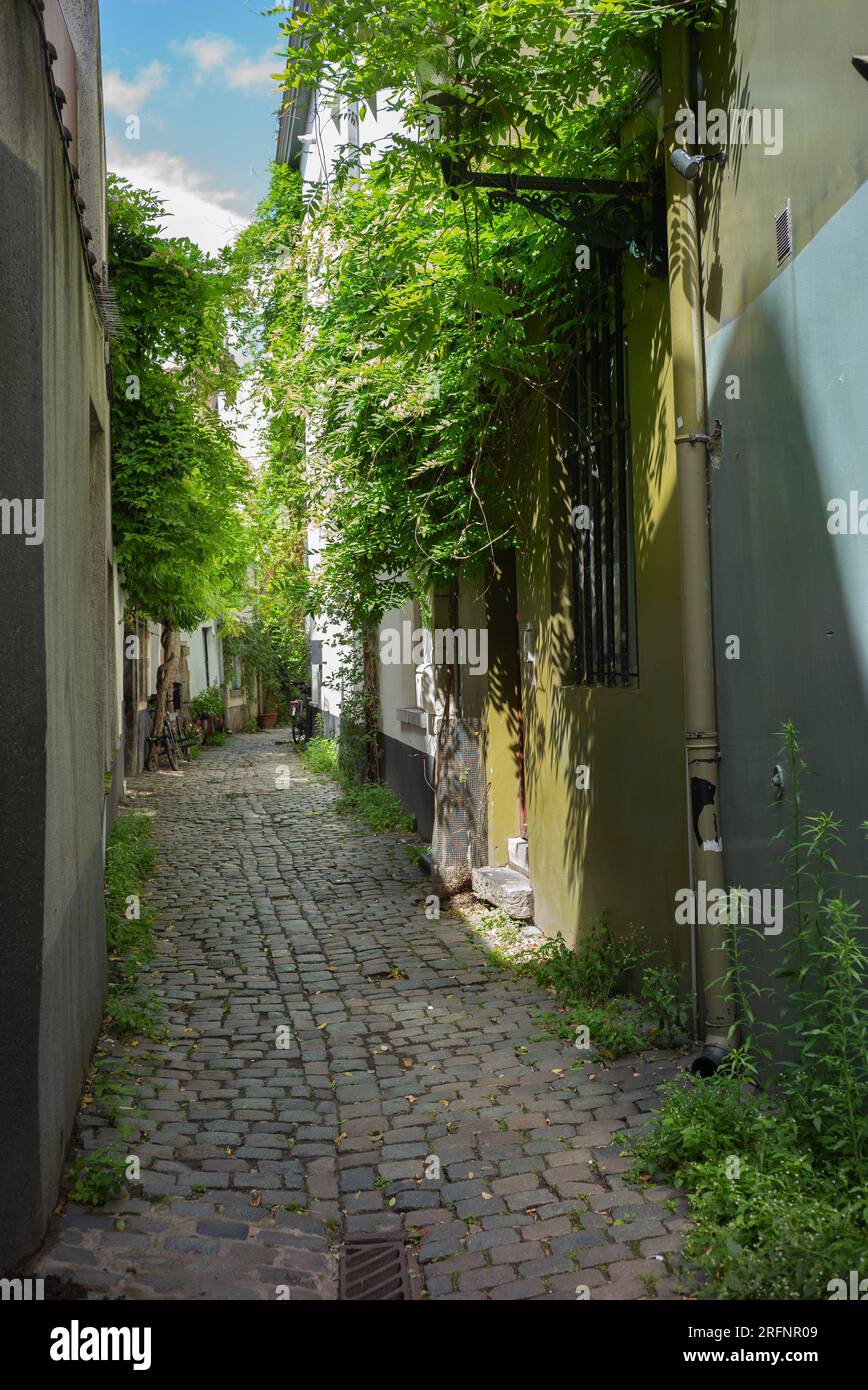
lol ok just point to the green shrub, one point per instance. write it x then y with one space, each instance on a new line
587 981
592 972
215 740
370 802
778 1179
664 1005
769 1223
375 806
321 755
208 702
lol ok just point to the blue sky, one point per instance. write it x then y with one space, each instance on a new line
197 75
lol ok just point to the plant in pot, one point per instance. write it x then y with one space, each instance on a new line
208 712
267 717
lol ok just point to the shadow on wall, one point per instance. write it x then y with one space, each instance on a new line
619 843
793 439
778 589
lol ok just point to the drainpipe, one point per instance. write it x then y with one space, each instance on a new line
688 373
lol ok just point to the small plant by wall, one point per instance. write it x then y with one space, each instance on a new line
773 1149
131 1012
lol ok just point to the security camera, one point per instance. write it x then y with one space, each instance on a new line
689 166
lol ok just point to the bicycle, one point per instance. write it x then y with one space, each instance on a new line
299 718
173 741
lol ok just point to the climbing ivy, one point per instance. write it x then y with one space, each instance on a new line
410 327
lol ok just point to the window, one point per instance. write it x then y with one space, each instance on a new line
601 490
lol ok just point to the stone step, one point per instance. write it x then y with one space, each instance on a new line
517 854
505 888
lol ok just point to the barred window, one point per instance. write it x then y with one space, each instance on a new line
600 472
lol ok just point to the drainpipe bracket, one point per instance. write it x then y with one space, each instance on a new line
705 439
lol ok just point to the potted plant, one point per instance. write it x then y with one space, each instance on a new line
208 711
267 717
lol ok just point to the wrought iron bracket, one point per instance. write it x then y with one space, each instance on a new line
608 214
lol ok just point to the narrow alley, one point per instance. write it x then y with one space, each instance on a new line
260 1161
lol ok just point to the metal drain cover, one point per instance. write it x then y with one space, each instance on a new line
374 1269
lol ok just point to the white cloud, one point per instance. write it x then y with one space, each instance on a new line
127 98
250 73
209 52
198 210
215 56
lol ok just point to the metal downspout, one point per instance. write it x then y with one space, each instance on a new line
688 372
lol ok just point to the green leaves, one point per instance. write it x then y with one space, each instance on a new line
178 481
401 345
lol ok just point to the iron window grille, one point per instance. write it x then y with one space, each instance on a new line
601 484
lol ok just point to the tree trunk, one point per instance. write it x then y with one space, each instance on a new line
165 675
371 704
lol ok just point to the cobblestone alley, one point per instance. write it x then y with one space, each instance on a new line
258 1161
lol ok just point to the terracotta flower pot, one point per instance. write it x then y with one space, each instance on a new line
267 720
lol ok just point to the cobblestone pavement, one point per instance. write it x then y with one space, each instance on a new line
257 1161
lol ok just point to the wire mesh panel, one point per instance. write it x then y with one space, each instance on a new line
460 839
604 583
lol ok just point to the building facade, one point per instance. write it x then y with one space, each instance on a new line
690 513
61 635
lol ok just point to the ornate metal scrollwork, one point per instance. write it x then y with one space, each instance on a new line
612 223
609 214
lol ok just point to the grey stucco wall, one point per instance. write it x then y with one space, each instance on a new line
54 417
794 594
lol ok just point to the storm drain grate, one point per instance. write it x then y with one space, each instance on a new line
374 1269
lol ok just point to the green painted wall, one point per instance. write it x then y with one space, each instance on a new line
621 844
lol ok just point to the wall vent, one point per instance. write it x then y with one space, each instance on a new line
784 232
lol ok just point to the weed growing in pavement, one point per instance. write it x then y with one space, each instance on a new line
97 1177
591 972
586 982
131 1012
321 755
375 805
130 858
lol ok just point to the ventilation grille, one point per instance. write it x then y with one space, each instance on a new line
784 232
